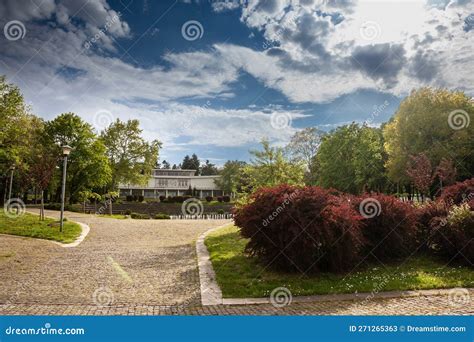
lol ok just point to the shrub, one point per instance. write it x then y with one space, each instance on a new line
139 216
389 226
306 229
220 199
220 211
141 198
127 212
426 216
453 236
209 198
226 198
461 192
162 198
129 198
161 216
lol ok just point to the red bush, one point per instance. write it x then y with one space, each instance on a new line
305 229
389 225
461 192
226 198
219 199
427 217
453 236
208 198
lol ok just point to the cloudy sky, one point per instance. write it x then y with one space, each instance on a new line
214 77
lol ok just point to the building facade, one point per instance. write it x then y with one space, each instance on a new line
168 183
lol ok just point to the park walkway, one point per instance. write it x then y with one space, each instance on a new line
145 267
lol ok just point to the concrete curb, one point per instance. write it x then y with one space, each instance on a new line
211 293
84 227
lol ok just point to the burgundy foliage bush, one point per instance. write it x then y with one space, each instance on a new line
428 217
391 229
208 198
461 192
306 229
226 198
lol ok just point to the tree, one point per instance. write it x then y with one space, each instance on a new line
351 159
165 165
304 145
209 169
88 166
269 167
427 122
446 172
131 158
420 173
231 178
191 163
17 131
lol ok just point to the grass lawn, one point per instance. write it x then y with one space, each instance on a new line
240 276
30 225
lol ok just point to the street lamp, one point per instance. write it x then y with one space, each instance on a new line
66 150
11 183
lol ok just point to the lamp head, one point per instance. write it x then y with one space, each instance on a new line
66 150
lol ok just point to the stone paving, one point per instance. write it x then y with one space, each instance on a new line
129 262
148 267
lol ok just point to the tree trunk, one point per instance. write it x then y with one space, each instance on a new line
42 207
110 206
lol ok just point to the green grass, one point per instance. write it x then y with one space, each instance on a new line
241 276
29 225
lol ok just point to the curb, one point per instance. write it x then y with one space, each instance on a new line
211 293
85 229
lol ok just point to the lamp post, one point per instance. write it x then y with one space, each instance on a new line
11 183
66 150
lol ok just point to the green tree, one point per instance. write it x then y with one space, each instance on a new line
231 178
351 159
209 169
434 122
88 165
304 145
269 167
191 163
165 165
131 158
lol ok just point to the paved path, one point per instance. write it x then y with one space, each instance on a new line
147 267
131 262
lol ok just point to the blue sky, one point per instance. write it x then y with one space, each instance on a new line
215 77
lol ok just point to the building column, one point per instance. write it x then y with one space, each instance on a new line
166 192
200 193
212 193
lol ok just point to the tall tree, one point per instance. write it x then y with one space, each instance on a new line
209 169
165 165
351 159
269 167
434 122
231 179
304 145
191 163
446 172
131 158
88 166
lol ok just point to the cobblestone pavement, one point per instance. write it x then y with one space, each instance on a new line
120 262
423 305
140 267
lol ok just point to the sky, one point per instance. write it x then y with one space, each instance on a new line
215 77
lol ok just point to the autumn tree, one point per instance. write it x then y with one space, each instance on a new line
420 173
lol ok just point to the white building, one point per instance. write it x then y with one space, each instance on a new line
167 182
